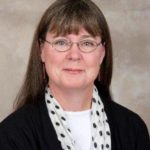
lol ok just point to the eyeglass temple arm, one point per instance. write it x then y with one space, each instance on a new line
44 40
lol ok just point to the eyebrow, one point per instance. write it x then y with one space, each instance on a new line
82 36
87 36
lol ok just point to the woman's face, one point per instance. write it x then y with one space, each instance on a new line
72 69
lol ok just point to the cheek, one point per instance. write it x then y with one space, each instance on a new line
50 62
93 67
53 64
93 64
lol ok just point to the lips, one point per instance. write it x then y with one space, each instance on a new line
73 70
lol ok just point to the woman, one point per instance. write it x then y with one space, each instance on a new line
65 101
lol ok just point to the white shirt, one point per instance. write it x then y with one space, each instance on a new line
80 125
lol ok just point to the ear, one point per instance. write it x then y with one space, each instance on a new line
102 55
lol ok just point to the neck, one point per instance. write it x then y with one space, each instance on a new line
73 99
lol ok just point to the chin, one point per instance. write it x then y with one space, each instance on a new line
73 85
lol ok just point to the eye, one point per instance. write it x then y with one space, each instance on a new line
87 43
60 42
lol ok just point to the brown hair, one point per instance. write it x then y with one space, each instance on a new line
64 17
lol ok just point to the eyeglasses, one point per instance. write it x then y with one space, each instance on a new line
63 45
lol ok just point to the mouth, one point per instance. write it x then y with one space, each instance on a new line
73 70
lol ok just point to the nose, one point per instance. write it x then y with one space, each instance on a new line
74 52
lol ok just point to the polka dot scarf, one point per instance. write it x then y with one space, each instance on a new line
100 130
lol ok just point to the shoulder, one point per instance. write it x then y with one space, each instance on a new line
27 128
18 130
23 114
129 126
19 121
124 114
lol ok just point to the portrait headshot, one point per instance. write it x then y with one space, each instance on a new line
74 75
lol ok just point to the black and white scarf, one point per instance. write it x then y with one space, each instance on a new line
100 131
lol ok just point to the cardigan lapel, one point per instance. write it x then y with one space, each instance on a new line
107 101
49 133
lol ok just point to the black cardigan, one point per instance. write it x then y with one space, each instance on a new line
30 128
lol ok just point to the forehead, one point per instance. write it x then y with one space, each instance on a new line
83 33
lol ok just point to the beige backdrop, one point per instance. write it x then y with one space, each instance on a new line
129 22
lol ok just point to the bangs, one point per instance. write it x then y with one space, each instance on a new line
71 20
